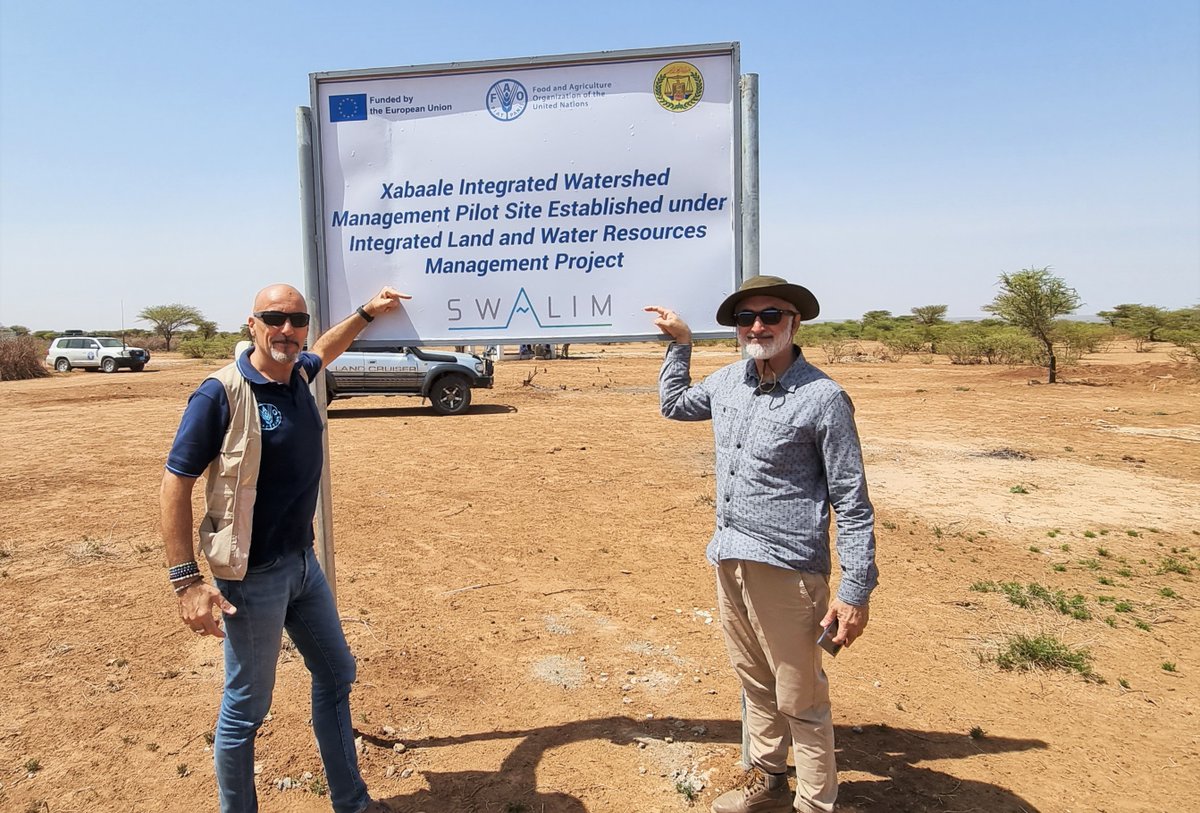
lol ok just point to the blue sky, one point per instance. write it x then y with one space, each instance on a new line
910 151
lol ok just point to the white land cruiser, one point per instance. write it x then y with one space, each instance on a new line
94 353
446 379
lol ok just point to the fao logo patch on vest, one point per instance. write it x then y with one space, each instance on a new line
270 416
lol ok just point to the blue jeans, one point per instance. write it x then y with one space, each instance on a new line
289 593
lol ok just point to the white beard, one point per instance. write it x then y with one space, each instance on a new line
284 357
761 352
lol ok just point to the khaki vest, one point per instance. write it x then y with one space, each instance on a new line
232 481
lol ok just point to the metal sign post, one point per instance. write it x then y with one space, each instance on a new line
323 529
749 191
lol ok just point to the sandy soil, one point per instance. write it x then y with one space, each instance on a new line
525 589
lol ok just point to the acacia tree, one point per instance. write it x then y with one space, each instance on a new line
168 319
1032 299
929 317
1141 322
207 329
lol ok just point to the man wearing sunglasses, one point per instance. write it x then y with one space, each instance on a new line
787 453
254 429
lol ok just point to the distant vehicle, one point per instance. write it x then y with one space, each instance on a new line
446 379
95 353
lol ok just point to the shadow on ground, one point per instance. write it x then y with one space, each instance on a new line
477 411
890 755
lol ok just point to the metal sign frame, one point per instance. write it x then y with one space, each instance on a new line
316 277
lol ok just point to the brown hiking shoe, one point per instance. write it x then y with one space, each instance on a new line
759 792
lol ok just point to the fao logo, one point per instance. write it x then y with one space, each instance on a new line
507 99
270 416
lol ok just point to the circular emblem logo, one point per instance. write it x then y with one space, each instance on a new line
270 416
507 99
679 86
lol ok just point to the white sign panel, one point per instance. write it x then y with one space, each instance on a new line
542 200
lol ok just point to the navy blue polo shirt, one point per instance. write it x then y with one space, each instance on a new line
290 472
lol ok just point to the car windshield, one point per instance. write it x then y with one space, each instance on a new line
110 342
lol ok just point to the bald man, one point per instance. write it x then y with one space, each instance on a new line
254 429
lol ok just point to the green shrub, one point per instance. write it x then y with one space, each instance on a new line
1044 651
1172 565
1187 345
218 347
900 343
1075 339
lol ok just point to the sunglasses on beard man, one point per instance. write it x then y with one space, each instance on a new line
277 318
770 316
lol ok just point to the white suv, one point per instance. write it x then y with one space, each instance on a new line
95 353
446 379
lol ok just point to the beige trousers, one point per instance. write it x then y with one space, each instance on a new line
771 618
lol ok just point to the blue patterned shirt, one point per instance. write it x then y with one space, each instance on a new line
784 457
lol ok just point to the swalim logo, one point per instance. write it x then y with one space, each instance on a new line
679 86
507 99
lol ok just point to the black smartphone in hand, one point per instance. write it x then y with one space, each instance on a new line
826 640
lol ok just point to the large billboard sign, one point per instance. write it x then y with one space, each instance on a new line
543 199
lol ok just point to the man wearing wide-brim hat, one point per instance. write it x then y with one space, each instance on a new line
787 454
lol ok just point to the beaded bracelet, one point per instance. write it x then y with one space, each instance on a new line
183 571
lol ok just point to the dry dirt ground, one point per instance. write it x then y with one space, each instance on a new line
525 589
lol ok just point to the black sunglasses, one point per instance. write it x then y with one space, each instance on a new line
770 316
277 318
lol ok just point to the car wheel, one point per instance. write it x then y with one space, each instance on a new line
137 368
109 365
330 388
451 395
62 365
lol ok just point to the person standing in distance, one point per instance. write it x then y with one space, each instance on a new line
787 453
254 429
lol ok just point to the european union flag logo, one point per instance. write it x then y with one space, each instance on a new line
352 107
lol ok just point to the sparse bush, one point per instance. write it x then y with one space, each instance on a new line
21 358
837 349
218 347
90 549
1172 565
1045 652
962 350
1075 339
153 343
1187 345
900 343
